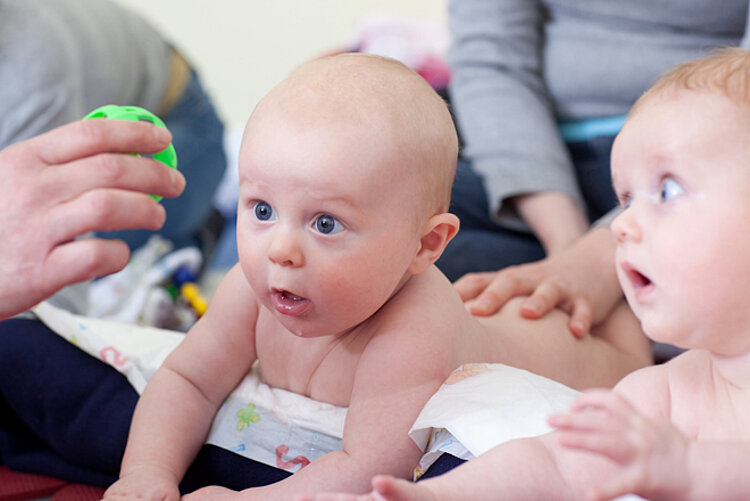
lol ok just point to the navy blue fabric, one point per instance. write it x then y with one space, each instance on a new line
66 414
444 463
483 245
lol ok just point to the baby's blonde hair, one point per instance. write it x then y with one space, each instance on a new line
727 71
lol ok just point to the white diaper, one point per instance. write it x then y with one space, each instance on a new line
273 426
482 405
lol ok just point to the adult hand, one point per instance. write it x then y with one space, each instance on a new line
68 182
579 280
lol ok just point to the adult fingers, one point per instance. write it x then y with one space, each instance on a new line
91 137
104 210
471 285
82 260
545 297
580 317
126 172
497 292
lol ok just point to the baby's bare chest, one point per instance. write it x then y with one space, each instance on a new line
316 368
706 413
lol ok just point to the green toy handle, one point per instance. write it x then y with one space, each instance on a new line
135 114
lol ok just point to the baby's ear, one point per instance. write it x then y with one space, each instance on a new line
436 233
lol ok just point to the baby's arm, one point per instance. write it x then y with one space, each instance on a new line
630 426
394 377
650 453
523 469
174 414
531 468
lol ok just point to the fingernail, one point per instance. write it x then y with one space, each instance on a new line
531 306
162 135
477 306
482 304
178 181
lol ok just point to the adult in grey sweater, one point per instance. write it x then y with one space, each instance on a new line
539 89
60 59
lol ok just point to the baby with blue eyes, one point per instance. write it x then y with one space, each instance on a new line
345 175
681 430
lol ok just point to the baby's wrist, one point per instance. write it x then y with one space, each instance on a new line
151 471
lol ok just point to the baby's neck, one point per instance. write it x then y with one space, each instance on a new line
734 370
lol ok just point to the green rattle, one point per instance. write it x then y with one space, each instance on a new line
133 113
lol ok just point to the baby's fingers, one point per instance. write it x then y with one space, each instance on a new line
603 400
610 445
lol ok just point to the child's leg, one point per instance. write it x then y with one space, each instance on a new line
520 470
545 346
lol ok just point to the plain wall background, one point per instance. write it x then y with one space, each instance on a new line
242 48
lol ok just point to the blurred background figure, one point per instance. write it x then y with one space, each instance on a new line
63 58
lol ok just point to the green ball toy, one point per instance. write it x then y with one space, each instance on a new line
135 114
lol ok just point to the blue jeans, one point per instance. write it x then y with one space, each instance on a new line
198 138
484 245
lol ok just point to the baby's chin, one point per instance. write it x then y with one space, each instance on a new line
664 331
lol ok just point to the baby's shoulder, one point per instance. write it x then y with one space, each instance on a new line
659 389
427 297
425 316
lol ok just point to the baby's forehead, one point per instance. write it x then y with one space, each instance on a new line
358 86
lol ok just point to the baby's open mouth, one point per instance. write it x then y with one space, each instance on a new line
288 303
636 278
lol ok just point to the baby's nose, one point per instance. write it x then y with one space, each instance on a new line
625 226
285 249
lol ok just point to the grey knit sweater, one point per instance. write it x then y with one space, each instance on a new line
60 59
520 66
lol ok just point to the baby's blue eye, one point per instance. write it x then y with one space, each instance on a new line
264 212
328 225
670 189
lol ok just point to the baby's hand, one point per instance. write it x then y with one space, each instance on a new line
651 454
143 486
